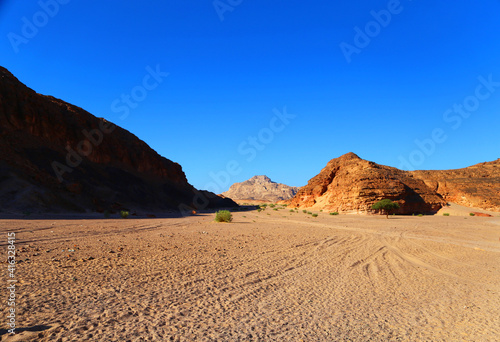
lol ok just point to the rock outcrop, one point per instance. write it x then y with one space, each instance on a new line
57 157
260 188
351 184
476 186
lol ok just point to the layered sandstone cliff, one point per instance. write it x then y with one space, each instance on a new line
476 186
260 188
351 184
55 156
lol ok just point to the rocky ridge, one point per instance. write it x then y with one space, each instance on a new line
476 186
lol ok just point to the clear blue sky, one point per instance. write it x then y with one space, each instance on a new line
352 82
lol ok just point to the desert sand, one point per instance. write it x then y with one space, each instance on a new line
267 276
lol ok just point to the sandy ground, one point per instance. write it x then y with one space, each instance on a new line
460 210
268 276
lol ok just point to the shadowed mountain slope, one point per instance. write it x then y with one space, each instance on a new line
56 157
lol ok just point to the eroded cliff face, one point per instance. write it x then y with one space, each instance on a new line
351 184
260 188
477 186
55 156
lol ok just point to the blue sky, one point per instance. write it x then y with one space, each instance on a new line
410 84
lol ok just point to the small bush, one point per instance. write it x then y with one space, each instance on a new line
272 205
259 210
223 216
420 215
124 214
292 211
310 212
446 214
304 211
472 214
275 209
334 213
314 215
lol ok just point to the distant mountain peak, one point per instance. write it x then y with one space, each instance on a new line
260 188
260 179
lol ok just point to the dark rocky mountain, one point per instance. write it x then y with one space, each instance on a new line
56 157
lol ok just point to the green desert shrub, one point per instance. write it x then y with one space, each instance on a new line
420 215
272 205
446 214
304 211
309 212
223 216
124 214
472 214
292 211
314 215
334 213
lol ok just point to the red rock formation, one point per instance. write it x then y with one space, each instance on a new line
56 156
476 186
476 213
351 184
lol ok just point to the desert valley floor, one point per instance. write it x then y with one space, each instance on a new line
267 276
